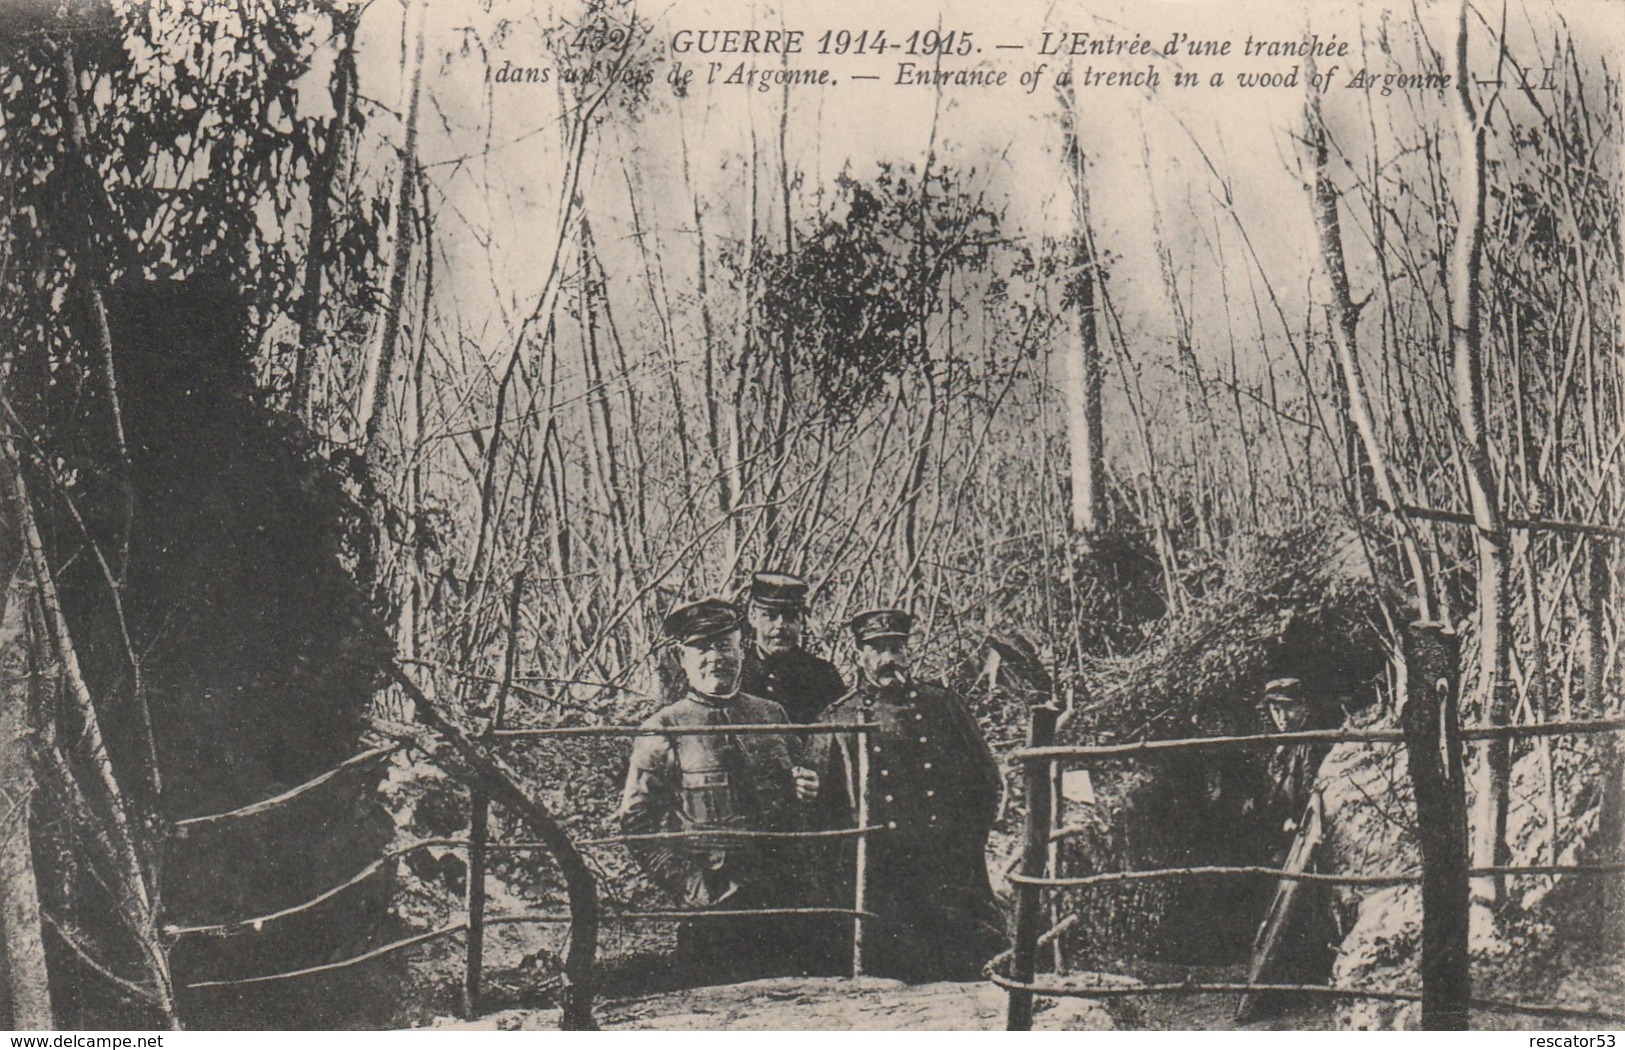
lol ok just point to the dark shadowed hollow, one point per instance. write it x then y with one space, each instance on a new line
256 651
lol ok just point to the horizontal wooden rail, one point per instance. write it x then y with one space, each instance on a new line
288 975
242 925
254 923
1395 879
753 728
1536 729
1083 991
253 808
678 915
1142 747
1550 869
1059 752
559 918
730 836
1456 517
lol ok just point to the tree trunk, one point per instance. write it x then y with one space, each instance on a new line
1371 478
380 358
22 949
1467 366
321 211
1081 364
137 904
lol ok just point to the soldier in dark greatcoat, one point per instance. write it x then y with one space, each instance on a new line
717 782
1291 769
777 668
933 793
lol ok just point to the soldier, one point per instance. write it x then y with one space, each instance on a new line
934 791
719 782
1291 768
776 666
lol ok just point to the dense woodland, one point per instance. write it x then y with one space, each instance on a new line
324 354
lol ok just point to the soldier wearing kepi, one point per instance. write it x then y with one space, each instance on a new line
934 791
776 666
716 782
1291 768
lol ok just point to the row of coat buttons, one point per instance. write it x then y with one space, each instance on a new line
868 708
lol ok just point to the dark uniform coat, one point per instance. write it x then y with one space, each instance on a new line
797 680
934 787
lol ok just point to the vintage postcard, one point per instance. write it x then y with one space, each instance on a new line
775 515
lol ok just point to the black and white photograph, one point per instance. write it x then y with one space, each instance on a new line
812 515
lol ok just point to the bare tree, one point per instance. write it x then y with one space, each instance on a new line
1081 360
1483 488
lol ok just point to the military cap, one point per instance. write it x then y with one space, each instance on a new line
698 620
778 590
1283 691
880 623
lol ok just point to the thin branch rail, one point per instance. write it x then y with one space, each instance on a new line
255 808
1538 729
240 925
1105 877
1311 736
1455 517
254 923
1391 879
681 915
1142 747
342 964
724 837
561 918
754 728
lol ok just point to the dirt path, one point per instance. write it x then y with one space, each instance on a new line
815 1004
876 1005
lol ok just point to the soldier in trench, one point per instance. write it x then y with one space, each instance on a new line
934 790
777 666
1297 937
1291 768
718 782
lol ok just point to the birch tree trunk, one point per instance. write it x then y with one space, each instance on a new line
327 168
22 949
380 359
1467 369
137 903
1082 374
1372 478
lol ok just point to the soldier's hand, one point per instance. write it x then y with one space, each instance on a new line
806 783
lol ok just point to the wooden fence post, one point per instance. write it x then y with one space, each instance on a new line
1433 743
1034 858
860 892
479 833
485 772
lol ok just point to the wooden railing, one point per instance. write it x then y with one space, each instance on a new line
1434 742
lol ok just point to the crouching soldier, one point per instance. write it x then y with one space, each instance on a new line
934 791
720 783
